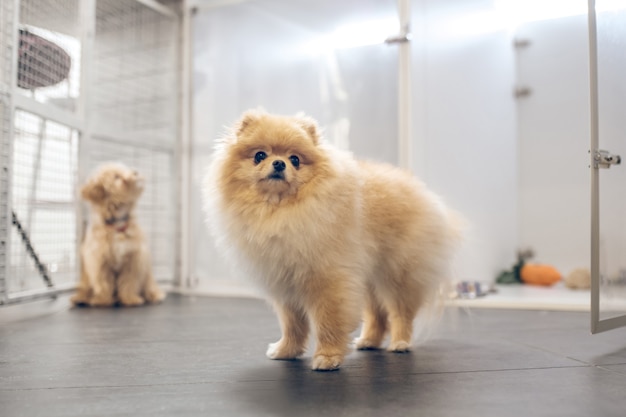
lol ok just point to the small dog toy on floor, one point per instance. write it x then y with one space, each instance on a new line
528 273
578 279
115 262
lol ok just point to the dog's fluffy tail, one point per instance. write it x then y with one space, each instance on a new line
440 293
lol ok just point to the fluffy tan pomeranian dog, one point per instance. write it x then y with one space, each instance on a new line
115 262
329 238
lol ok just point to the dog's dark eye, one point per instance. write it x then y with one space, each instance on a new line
295 161
259 156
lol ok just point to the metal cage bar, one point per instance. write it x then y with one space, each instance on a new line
9 16
184 257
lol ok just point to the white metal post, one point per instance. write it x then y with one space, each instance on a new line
87 10
10 17
184 247
595 224
404 87
88 28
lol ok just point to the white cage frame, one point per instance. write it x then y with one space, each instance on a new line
171 199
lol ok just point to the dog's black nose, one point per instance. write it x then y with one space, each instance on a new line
279 165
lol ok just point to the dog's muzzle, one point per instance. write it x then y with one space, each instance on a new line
279 170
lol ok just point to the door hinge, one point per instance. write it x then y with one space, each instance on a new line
604 159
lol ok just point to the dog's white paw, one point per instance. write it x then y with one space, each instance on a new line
278 352
326 363
399 347
273 351
361 343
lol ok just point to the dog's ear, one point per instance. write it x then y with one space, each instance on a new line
310 126
248 119
93 191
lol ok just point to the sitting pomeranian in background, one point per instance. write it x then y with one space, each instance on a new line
327 236
115 262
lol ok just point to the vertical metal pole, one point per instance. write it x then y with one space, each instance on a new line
10 18
184 256
88 22
404 87
87 10
418 110
595 174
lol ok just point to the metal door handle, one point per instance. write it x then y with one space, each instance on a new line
604 159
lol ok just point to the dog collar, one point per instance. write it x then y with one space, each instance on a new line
115 222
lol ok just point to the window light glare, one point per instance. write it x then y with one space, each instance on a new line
510 14
354 35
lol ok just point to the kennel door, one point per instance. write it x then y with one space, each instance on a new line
607 41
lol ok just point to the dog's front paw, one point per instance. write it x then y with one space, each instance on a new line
80 299
399 346
361 343
279 351
155 296
326 362
132 300
101 301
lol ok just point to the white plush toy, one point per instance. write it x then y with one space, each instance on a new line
579 278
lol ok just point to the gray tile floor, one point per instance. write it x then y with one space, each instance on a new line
194 356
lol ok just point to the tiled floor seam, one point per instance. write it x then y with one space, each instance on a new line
503 370
113 386
266 380
609 369
552 352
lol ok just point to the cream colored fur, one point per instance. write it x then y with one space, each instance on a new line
334 240
115 262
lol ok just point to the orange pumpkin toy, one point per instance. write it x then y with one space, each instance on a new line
538 274
533 274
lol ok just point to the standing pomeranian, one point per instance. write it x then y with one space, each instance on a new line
329 238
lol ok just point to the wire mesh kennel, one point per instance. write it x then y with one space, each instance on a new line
83 82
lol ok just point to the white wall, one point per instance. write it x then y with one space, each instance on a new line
464 126
553 142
